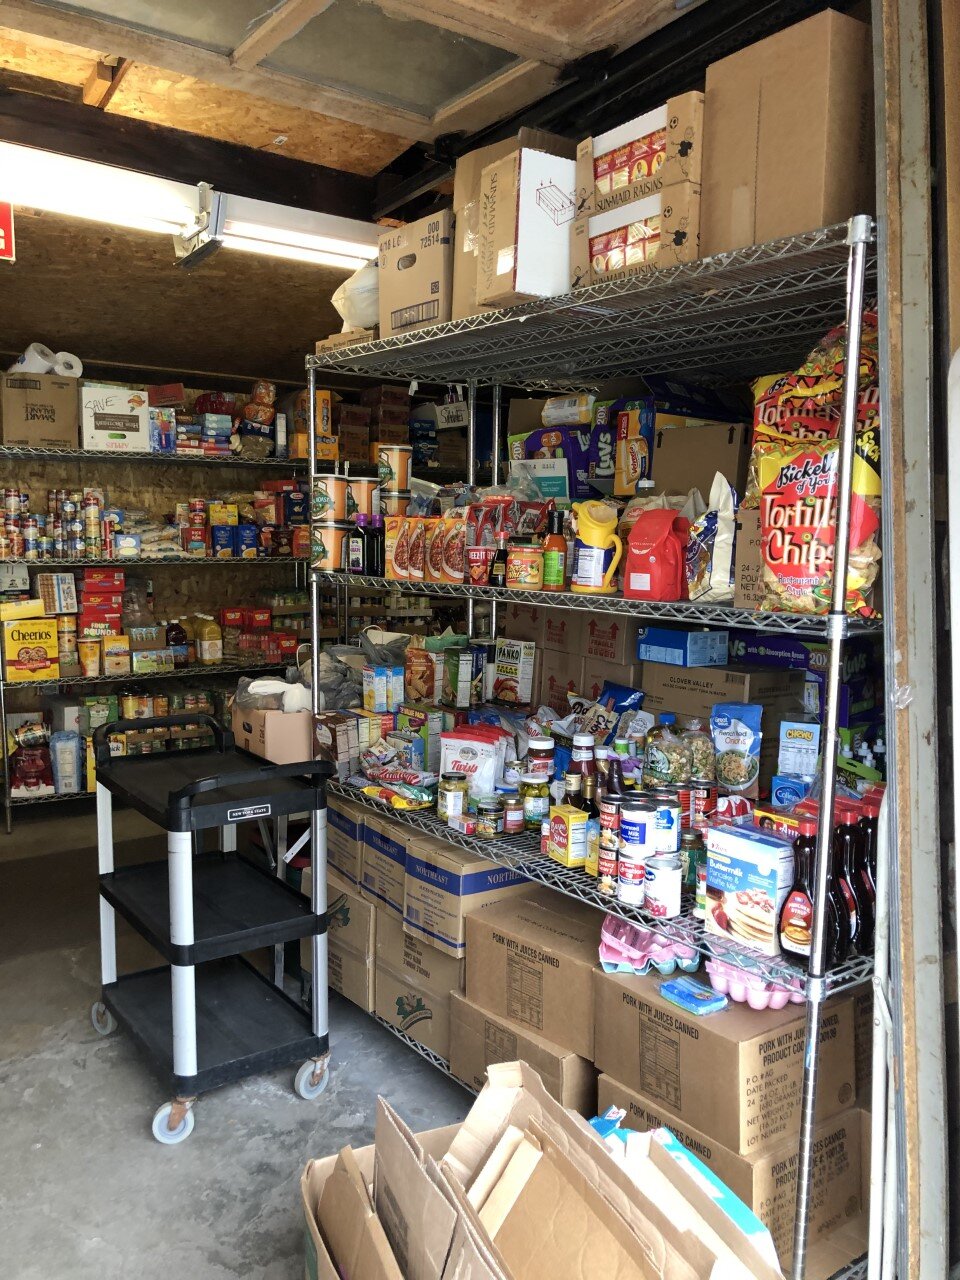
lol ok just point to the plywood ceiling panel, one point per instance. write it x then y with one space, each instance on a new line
112 294
183 102
44 58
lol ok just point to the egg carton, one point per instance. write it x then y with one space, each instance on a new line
629 948
749 988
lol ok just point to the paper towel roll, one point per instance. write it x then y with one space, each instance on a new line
67 365
36 359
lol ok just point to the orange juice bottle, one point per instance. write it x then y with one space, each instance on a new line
209 639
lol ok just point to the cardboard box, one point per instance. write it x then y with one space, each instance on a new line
596 671
735 1075
861 668
114 419
766 1181
23 610
532 960
39 410
58 591
384 865
748 588
688 454
526 207
463 301
349 1224
281 737
659 230
681 648
523 622
478 1038
443 884
413 985
658 149
416 274
693 691
560 675
345 832
335 739
351 941
749 874
30 650
771 170
613 638
563 630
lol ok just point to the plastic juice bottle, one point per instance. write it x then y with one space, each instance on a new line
357 546
187 624
375 545
177 640
859 903
554 554
209 640
868 848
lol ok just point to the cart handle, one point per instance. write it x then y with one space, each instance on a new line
101 748
312 768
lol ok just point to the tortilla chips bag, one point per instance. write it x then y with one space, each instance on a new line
797 482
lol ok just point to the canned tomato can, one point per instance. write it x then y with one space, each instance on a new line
610 822
637 824
666 825
631 873
662 885
703 804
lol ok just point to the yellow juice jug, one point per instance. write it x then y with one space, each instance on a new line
597 549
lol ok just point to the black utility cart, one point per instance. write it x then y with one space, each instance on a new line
208 1016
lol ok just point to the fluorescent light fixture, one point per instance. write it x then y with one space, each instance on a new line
293 252
99 192
299 235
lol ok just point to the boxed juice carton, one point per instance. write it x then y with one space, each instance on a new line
382 688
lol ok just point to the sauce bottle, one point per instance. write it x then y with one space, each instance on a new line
497 577
615 782
868 847
582 759
795 923
859 902
573 794
554 554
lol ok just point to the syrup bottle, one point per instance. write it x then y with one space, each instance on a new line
868 847
795 924
615 782
859 903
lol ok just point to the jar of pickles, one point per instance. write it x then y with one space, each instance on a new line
512 811
489 817
451 795
535 794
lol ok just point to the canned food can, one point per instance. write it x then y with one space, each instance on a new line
631 872
608 866
11 502
16 545
666 825
45 545
24 502
68 510
703 804
4 547
610 823
662 885
700 904
637 824
161 704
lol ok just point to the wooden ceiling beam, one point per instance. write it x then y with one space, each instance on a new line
35 18
74 130
104 81
523 36
501 95
282 22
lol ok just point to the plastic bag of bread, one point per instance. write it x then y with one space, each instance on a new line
798 519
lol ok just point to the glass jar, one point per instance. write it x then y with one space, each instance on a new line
540 753
535 794
489 817
512 812
451 795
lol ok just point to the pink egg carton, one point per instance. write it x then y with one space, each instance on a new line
751 989
629 948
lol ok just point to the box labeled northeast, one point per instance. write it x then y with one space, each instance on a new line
345 832
736 1075
384 864
478 1038
531 960
351 941
767 1181
413 985
443 885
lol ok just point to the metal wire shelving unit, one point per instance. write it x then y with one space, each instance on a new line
176 459
720 320
230 668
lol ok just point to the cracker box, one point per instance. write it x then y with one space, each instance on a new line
749 874
514 664
30 650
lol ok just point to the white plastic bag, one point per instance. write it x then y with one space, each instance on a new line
709 555
358 299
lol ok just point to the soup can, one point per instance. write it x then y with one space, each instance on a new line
663 876
631 872
703 804
610 822
637 820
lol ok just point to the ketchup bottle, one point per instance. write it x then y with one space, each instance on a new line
846 852
795 923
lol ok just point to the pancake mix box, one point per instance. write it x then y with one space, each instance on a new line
749 874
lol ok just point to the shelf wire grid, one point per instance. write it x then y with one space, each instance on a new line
723 319
178 673
521 853
680 611
431 1056
52 454
120 562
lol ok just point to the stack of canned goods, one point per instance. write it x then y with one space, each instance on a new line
645 868
75 526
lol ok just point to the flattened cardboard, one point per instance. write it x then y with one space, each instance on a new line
735 1075
531 960
350 1226
767 1181
478 1038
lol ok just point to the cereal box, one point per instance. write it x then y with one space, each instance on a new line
30 650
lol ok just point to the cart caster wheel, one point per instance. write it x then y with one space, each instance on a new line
103 1020
161 1125
309 1084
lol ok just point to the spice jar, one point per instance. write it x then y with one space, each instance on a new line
535 794
525 565
451 795
489 817
540 757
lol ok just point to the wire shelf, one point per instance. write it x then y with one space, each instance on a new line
153 561
724 319
221 669
433 1058
661 611
110 455
521 853
856 1270
17 801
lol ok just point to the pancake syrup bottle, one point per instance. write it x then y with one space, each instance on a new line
847 857
795 925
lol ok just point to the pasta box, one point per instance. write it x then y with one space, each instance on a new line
513 674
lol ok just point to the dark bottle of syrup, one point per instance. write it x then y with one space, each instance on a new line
847 857
868 847
795 923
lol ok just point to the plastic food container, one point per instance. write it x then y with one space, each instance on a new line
393 461
748 988
327 544
362 496
394 503
330 498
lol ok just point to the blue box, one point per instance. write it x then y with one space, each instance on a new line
749 874
787 790
223 541
296 508
680 648
248 541
861 671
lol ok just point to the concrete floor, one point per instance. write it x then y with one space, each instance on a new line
85 1191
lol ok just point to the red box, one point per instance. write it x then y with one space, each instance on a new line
103 579
301 541
289 644
279 486
89 601
166 395
231 617
257 619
